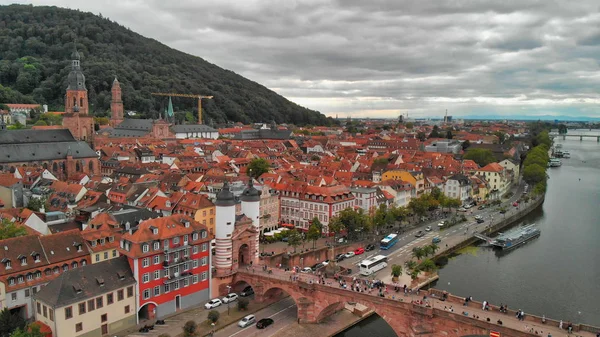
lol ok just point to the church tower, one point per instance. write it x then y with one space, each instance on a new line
76 100
116 104
76 117
251 208
225 224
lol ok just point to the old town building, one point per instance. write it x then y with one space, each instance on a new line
94 300
170 261
29 262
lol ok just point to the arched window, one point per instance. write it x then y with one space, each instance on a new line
83 262
38 274
91 166
65 267
45 166
48 271
77 166
56 270
74 265
54 167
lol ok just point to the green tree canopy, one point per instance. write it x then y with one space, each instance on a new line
257 167
35 204
314 231
465 145
421 136
562 129
352 221
480 156
8 229
294 239
10 322
435 132
534 174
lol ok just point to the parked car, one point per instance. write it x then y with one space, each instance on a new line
481 207
247 291
477 217
428 229
420 234
516 204
436 240
230 298
340 257
342 240
285 239
248 320
370 247
349 255
502 211
213 303
359 251
263 323
326 262
317 266
480 220
441 223
306 270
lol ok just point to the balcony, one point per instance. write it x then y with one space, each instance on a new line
177 277
175 262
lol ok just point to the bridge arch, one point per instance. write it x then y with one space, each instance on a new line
340 304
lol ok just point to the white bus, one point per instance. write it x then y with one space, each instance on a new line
372 265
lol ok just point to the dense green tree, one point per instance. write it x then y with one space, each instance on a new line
534 174
562 129
190 328
449 134
465 145
410 125
257 167
421 136
314 232
10 322
16 126
435 132
51 119
242 303
396 270
8 229
481 156
427 265
501 136
40 123
353 221
35 204
294 239
34 63
418 252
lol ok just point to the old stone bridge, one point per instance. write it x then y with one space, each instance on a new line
317 301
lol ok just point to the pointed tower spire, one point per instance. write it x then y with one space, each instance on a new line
170 108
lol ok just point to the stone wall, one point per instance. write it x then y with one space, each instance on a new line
308 259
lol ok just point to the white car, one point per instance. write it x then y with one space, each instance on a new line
306 270
428 229
230 298
349 255
478 217
441 224
213 303
326 262
248 320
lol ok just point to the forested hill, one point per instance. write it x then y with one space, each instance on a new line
35 48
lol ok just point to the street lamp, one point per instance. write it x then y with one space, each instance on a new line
228 291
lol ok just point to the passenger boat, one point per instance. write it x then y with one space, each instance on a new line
512 240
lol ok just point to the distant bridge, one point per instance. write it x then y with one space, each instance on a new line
564 136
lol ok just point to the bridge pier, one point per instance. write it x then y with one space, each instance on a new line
580 138
598 139
564 137
306 311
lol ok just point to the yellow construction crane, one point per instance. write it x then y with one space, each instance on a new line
199 97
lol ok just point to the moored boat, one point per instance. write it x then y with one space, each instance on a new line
512 240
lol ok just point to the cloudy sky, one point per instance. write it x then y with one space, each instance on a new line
380 58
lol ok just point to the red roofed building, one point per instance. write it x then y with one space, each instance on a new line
169 257
300 203
497 178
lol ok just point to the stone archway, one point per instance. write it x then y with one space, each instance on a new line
244 256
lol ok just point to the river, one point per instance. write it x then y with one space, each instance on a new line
557 274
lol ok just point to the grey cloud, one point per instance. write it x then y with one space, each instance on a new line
389 56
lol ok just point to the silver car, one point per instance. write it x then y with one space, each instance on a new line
248 320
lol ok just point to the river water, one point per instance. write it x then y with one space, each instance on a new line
557 274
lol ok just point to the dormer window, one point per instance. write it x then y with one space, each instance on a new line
6 263
157 245
100 281
77 288
204 234
111 238
94 243
23 260
154 230
102 241
186 224
195 236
